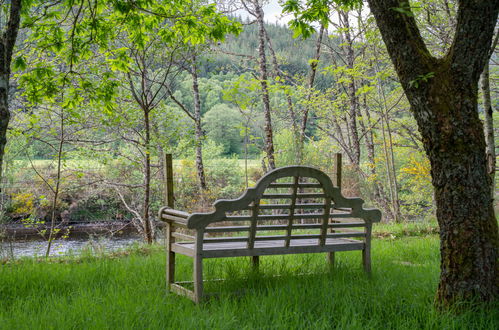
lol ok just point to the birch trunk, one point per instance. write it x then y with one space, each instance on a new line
262 62
199 129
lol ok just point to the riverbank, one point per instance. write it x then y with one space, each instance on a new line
126 290
20 231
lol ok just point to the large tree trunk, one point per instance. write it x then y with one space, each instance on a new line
7 42
468 227
443 97
197 124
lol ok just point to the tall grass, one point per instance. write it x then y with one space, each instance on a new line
129 292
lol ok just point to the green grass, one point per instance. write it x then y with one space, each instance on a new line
128 291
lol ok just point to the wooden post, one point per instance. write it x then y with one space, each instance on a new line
169 239
337 169
169 197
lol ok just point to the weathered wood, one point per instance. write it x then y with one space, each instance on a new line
284 237
170 256
180 214
255 262
183 236
290 196
169 197
325 222
184 249
234 251
366 252
201 220
337 170
175 219
231 229
253 218
291 185
292 210
349 213
330 258
180 290
198 267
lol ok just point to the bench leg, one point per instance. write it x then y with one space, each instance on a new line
330 258
255 261
170 257
170 269
366 259
198 279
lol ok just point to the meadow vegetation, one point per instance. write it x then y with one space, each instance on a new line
127 290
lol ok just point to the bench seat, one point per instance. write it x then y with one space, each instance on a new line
270 247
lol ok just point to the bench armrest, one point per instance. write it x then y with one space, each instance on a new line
172 216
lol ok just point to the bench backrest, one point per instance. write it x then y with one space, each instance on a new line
300 202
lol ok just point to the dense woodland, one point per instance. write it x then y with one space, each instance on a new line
101 91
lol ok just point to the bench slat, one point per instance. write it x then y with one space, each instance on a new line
183 236
291 185
283 237
285 196
227 229
287 206
274 217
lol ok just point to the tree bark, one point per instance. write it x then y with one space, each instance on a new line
443 97
379 195
311 81
351 90
489 129
197 124
262 62
147 178
7 42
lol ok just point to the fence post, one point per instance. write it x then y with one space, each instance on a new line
337 169
169 198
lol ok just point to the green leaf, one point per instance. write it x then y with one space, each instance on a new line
19 64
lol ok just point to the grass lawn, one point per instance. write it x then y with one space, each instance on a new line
128 291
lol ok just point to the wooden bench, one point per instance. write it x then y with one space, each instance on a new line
291 210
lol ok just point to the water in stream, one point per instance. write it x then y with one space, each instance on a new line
32 248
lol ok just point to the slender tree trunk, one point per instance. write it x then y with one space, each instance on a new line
7 41
353 112
147 178
311 81
197 124
388 146
262 61
57 186
489 129
443 93
391 167
379 194
292 115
